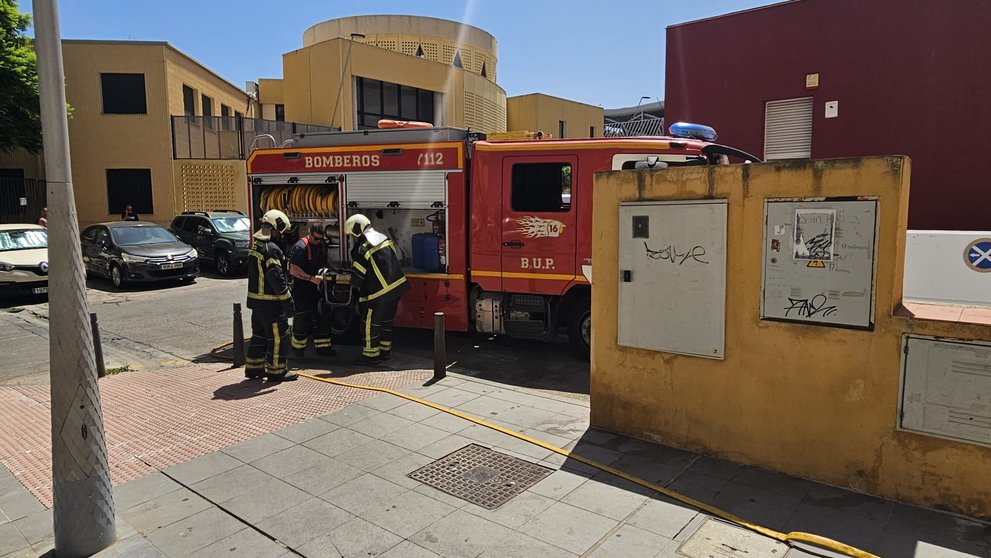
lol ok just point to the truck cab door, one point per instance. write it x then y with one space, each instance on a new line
538 224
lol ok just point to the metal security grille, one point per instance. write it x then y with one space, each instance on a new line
788 129
481 476
410 189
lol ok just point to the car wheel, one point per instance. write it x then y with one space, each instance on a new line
223 264
117 276
580 328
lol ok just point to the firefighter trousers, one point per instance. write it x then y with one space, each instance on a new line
377 317
308 319
269 343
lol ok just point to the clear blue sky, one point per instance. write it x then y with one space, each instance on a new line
607 53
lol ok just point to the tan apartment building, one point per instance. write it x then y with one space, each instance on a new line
391 67
123 96
409 68
553 115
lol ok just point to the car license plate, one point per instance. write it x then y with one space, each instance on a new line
39 290
174 265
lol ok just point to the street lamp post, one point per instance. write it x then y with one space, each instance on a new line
83 513
340 87
638 105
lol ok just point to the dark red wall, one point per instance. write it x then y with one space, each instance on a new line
912 77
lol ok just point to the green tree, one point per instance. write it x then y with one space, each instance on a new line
20 109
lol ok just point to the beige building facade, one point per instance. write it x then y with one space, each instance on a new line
553 115
353 71
123 96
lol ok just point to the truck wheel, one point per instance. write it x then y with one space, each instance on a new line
580 328
223 264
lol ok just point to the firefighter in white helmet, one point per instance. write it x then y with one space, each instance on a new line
378 276
270 302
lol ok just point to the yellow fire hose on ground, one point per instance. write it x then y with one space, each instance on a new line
787 538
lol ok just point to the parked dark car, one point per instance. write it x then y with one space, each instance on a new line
133 251
221 237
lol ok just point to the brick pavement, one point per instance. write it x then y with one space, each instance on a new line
155 419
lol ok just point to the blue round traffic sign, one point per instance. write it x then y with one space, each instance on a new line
977 255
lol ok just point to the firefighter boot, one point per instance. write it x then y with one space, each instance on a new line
367 360
287 376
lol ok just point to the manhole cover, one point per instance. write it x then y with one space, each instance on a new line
481 476
715 539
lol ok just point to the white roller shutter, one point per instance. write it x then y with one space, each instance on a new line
409 188
788 129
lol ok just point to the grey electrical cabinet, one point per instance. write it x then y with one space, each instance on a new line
946 388
819 261
672 276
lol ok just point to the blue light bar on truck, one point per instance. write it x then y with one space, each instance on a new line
692 131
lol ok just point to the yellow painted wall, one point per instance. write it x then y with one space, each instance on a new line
207 185
98 141
816 402
272 90
33 164
543 112
439 39
182 70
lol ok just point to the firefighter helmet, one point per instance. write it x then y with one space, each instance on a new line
356 224
277 220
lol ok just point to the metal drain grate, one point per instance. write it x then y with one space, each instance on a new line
480 475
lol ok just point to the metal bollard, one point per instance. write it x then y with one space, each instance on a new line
101 367
238 346
440 348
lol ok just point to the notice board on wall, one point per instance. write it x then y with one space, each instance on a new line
819 261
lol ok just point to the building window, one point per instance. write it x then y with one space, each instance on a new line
788 129
560 128
225 118
541 187
129 186
207 111
457 60
379 99
124 94
591 131
280 113
188 101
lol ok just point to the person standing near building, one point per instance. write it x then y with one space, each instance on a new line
270 301
377 274
306 258
128 214
43 218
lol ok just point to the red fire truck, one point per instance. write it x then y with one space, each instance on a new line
495 232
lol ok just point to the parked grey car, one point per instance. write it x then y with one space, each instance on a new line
132 251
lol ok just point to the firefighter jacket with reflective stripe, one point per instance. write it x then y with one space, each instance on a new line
267 286
377 272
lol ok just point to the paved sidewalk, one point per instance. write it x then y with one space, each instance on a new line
337 485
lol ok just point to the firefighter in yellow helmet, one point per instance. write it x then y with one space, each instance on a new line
270 302
378 276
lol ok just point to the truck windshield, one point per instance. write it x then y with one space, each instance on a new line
22 239
231 224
